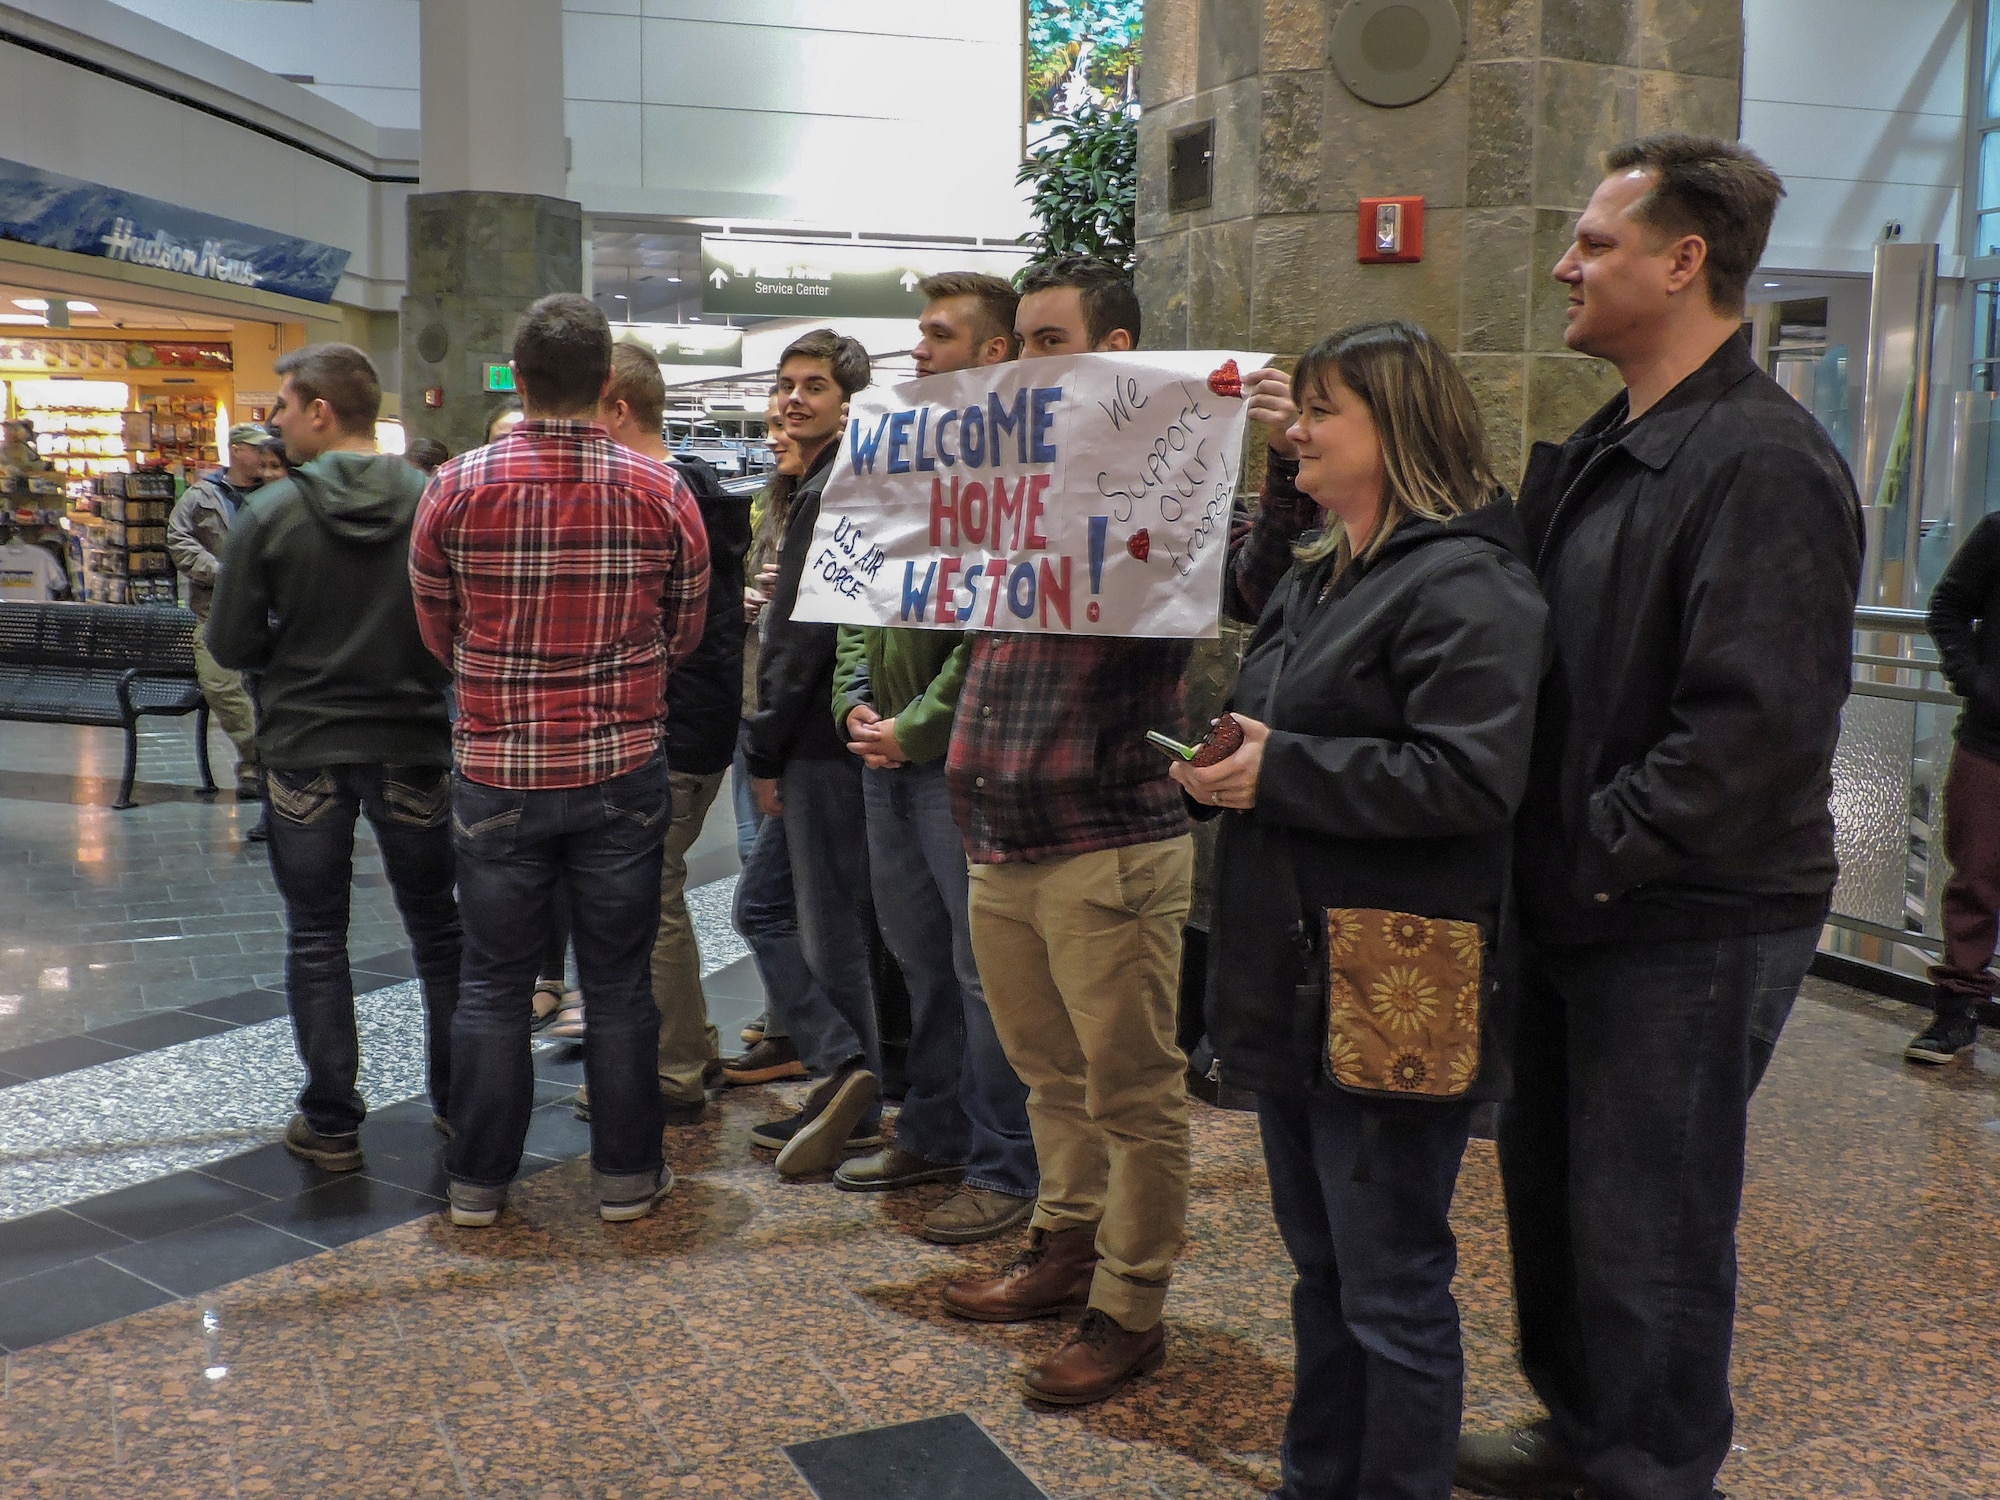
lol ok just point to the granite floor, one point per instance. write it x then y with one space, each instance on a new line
255 1337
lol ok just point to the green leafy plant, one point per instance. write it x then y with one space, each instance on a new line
1085 175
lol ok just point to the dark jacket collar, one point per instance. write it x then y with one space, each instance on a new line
1657 436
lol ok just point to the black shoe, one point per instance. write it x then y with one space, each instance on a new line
1949 1037
333 1153
258 832
676 1112
1520 1463
775 1135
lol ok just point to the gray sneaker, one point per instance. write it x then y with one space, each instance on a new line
1520 1463
473 1206
333 1153
831 1113
628 1209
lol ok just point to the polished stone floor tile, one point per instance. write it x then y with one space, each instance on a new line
939 1458
210 1255
53 1238
165 1204
61 1301
349 1208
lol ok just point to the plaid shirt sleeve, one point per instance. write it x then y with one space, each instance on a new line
685 604
1261 541
430 577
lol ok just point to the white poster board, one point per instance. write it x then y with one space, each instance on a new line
1084 494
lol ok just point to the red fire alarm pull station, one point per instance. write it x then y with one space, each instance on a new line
1392 230
433 395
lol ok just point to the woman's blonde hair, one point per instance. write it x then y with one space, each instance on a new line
1434 458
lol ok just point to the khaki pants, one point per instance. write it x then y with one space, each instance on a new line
687 1040
229 703
1081 960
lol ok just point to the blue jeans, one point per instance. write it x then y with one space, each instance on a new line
603 844
965 1106
807 880
1622 1157
312 861
744 800
1379 1380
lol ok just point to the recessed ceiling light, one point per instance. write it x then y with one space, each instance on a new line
673 278
29 320
694 317
1769 284
40 304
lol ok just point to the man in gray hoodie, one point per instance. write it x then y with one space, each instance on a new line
314 595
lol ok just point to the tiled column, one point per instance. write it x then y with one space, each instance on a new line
476 261
1505 154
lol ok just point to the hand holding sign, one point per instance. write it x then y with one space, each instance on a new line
1086 494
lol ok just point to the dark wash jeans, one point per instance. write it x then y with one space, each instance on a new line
603 845
1379 1379
312 860
1622 1157
965 1106
803 906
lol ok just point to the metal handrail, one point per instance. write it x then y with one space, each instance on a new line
1891 621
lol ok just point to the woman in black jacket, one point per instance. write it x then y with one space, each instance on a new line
1386 705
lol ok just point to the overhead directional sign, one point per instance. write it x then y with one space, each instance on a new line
831 279
679 345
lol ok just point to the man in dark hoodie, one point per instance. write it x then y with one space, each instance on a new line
809 788
313 594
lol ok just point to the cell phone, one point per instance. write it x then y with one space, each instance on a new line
1171 745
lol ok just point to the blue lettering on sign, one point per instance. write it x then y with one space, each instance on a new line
1001 420
1022 605
1040 449
945 456
972 442
972 576
899 440
915 599
862 450
924 465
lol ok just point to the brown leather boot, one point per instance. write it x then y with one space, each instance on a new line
1100 1357
1051 1276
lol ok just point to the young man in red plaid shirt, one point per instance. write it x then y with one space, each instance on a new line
562 578
1081 862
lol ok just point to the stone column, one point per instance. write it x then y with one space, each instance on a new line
490 231
1505 155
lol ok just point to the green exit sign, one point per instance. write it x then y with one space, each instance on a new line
500 377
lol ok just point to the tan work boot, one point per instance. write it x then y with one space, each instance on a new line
974 1214
1051 1276
1101 1356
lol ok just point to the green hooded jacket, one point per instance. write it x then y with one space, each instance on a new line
313 596
911 676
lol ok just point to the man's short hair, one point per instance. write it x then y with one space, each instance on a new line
562 353
1717 189
1105 291
997 302
843 355
636 380
341 376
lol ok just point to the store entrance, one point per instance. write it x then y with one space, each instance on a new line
113 407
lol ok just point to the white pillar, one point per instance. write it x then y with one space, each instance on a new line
493 97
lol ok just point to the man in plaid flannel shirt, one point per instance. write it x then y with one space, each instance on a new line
562 578
1081 859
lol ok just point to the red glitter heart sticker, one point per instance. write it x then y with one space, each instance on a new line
1140 544
1227 381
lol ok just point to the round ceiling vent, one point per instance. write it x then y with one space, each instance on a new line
1395 52
433 343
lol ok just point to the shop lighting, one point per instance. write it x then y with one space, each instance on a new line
40 305
24 320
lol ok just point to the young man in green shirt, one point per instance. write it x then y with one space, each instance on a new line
965 1118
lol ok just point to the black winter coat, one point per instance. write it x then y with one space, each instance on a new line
1403 709
794 718
1700 565
1965 623
705 692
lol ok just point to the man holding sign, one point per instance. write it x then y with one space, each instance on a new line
1081 860
965 1115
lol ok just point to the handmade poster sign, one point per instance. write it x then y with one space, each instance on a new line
1085 494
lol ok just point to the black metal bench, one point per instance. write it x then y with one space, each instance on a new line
102 665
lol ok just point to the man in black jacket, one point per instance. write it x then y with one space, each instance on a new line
702 697
809 788
1699 543
313 594
1965 623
